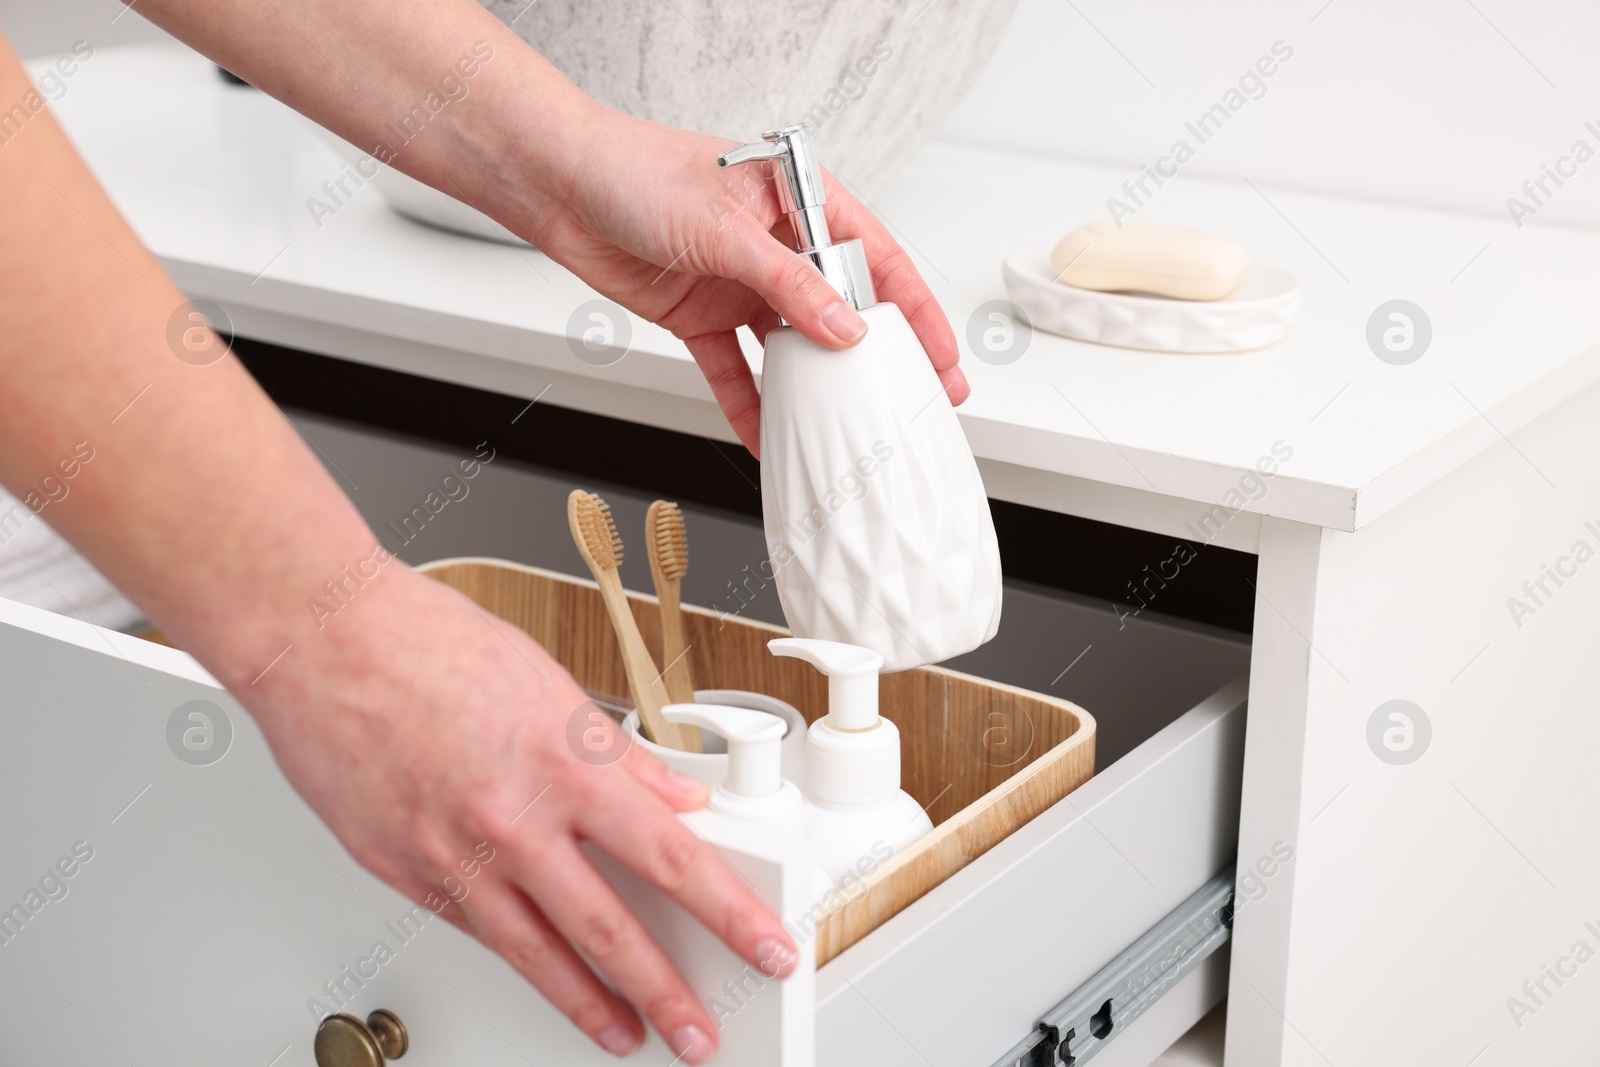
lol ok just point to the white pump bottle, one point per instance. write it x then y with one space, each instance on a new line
877 524
755 790
855 811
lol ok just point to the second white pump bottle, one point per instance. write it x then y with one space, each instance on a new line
855 813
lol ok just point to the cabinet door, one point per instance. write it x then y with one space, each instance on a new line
166 898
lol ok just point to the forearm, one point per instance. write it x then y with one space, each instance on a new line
439 89
674 240
197 498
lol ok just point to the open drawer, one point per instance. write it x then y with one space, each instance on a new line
966 972
210 917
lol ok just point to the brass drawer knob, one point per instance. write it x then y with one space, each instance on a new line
345 1041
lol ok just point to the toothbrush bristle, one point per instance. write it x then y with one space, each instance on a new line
599 530
670 538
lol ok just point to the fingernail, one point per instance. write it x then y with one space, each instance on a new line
774 958
843 322
960 378
619 1040
686 782
692 1044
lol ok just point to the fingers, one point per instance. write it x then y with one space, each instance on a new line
788 282
683 792
584 906
509 924
722 362
456 917
677 860
955 384
899 282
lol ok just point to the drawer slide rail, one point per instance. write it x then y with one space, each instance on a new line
1074 1031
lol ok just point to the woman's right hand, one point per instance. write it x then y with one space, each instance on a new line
643 214
418 727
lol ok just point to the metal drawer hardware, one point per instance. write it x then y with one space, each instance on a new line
1072 1032
345 1041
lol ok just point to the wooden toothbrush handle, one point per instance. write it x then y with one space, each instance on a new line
674 647
649 694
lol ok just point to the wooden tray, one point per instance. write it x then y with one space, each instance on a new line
982 757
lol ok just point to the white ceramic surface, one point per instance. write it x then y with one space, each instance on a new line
711 766
1256 315
877 524
875 77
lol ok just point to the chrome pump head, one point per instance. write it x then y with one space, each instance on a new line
800 192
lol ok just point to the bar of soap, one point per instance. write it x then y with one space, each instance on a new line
1170 261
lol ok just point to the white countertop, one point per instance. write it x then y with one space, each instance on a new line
216 178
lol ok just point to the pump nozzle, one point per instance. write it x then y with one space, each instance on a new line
750 153
852 755
852 677
801 193
755 784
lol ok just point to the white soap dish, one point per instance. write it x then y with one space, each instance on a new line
1256 315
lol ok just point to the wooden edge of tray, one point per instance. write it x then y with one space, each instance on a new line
960 839
881 891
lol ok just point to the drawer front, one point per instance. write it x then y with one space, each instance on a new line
217 920
210 917
966 972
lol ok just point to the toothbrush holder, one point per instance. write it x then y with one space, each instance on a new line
711 766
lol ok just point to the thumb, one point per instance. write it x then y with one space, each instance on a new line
790 284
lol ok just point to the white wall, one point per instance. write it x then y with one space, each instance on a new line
1418 101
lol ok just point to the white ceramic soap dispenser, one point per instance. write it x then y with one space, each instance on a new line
855 810
876 520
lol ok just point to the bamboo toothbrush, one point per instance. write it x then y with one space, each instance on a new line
596 536
669 561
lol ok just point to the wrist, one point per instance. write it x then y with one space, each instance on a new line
304 610
343 629
527 143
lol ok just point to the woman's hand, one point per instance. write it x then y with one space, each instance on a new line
416 743
643 213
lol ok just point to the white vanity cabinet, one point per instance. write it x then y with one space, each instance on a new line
1423 868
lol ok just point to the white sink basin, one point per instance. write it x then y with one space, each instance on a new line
875 77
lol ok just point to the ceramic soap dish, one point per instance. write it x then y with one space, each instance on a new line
1257 314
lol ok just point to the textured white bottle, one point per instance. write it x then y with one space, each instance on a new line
877 523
